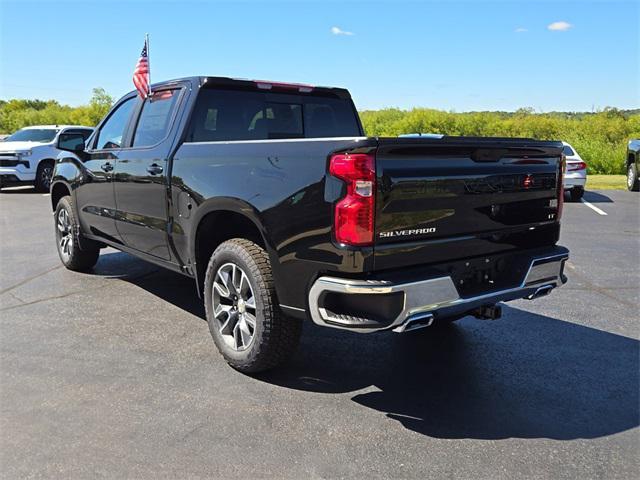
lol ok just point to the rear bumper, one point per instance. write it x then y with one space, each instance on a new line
575 179
401 306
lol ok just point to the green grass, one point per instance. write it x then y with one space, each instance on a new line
606 182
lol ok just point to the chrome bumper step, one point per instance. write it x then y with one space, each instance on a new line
426 300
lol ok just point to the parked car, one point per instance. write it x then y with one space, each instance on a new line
28 156
273 200
575 176
633 169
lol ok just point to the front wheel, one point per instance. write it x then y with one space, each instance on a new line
242 309
633 182
44 173
67 239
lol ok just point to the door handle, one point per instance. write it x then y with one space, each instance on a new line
154 169
107 167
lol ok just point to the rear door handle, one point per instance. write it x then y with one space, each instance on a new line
154 169
107 167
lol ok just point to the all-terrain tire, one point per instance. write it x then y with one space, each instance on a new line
275 336
74 255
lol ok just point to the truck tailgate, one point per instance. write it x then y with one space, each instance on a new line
460 197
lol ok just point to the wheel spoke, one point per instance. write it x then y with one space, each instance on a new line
237 336
250 304
222 290
234 306
236 279
245 334
222 308
250 320
227 327
245 287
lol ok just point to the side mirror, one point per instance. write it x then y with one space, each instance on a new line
71 142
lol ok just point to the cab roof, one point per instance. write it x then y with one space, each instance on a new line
267 85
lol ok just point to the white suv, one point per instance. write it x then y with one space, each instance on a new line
575 177
28 156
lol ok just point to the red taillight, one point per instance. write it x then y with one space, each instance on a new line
354 214
571 167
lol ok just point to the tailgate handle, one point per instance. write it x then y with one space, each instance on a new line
488 154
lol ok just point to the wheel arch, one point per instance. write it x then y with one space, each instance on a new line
219 220
59 189
45 160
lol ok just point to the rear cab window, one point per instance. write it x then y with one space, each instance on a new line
227 115
155 118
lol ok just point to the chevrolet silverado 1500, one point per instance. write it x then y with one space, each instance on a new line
274 201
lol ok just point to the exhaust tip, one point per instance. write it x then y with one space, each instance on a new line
415 322
540 292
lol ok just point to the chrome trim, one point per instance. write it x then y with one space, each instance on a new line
424 297
282 305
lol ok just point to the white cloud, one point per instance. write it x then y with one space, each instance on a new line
521 29
559 26
339 31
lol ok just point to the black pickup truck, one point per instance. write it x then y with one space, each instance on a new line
272 198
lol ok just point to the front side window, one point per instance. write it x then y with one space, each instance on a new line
155 119
39 135
112 131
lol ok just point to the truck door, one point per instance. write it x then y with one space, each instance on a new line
95 197
141 176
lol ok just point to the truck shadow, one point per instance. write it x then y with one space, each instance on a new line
524 376
174 288
597 197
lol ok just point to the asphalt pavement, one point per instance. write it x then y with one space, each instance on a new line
113 374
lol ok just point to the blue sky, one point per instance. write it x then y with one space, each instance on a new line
459 56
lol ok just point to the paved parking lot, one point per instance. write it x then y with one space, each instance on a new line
113 374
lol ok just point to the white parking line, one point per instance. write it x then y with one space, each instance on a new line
594 208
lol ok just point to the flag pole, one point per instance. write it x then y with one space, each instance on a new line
146 39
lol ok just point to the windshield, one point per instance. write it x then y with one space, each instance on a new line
40 135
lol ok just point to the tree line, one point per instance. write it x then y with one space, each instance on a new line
599 137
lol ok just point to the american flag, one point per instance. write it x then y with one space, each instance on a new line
141 73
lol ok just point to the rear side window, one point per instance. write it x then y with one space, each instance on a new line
222 115
568 151
155 119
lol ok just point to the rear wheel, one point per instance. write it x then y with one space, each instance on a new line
633 182
44 175
243 313
67 239
576 194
